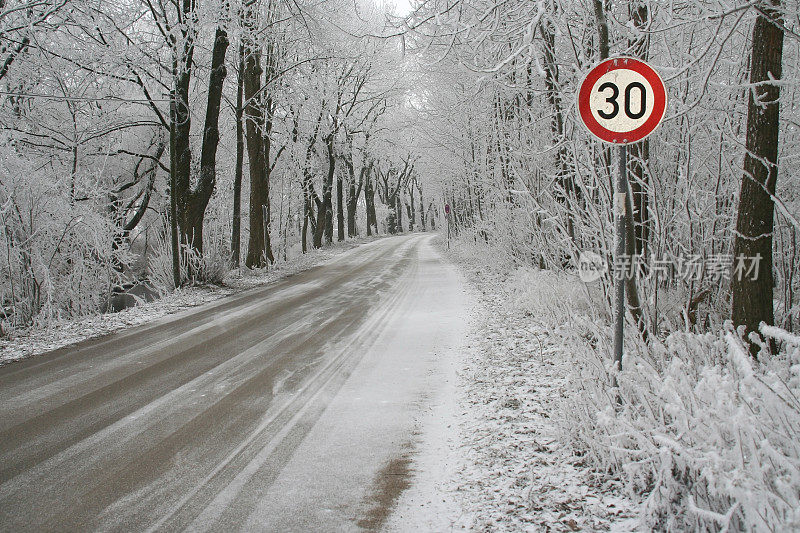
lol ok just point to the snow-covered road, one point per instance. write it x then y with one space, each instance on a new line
292 407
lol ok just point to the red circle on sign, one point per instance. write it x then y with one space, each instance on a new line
625 137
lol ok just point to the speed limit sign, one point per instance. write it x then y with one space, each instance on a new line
622 100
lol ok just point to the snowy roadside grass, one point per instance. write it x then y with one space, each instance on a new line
37 340
517 473
710 435
702 435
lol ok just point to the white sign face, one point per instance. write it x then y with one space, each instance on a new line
622 100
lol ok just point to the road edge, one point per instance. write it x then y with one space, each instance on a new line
38 342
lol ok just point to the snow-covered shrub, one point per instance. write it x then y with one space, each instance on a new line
493 257
57 258
709 434
548 295
210 267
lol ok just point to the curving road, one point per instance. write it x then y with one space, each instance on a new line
287 408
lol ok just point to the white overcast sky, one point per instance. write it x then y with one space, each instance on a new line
403 6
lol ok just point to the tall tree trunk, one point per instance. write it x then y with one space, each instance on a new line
422 220
391 218
269 110
286 227
398 210
640 152
308 209
310 199
369 200
412 214
352 204
354 189
173 188
200 196
602 29
753 298
308 206
322 215
182 126
353 193
603 158
236 236
631 289
637 227
329 224
190 204
258 251
325 214
304 237
566 185
339 207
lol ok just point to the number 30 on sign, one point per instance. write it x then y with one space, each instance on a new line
622 100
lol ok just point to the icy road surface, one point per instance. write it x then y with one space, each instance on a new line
287 408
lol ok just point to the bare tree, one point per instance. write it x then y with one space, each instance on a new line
752 297
258 110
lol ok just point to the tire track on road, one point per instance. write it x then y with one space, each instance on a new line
121 455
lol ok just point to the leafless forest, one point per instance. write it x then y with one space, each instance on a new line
167 142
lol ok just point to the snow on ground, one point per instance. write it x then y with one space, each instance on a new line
492 458
524 478
36 340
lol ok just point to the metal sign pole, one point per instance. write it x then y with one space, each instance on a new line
447 219
448 231
617 86
622 221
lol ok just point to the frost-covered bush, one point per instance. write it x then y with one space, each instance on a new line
707 435
548 295
57 258
210 267
711 436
